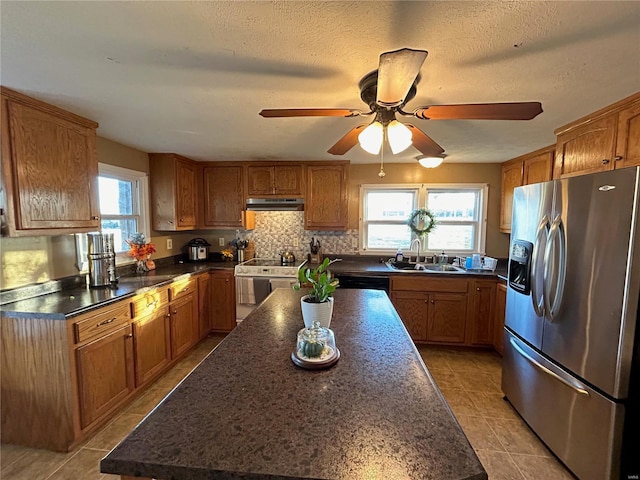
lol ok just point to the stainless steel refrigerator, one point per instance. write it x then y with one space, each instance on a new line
572 347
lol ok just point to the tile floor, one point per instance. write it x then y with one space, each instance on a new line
469 380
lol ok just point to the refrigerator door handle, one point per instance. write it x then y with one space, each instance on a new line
577 387
536 257
557 264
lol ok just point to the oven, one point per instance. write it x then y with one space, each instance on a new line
257 278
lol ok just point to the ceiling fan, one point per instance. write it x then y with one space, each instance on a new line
386 91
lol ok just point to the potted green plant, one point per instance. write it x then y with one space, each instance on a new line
317 305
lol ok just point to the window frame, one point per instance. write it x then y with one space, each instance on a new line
423 189
140 207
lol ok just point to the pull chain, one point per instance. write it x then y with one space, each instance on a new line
381 173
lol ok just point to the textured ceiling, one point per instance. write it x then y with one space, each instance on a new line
191 77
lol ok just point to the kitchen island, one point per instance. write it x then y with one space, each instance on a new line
248 412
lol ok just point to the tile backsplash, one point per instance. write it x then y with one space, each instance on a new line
276 231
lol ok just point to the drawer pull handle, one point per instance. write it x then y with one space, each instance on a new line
618 158
107 322
175 312
184 289
605 161
152 304
129 336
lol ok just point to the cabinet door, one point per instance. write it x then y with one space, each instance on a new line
105 374
537 168
223 301
588 148
412 307
628 145
260 181
498 326
184 324
326 203
55 170
204 305
481 314
288 180
186 195
511 178
223 197
151 345
447 317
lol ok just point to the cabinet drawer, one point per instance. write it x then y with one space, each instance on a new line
102 322
181 288
436 283
149 302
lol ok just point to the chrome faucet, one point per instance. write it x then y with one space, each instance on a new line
418 250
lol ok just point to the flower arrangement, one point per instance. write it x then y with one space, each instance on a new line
227 254
139 248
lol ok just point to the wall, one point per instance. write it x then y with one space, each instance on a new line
497 243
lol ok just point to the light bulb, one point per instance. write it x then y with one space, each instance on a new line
399 136
371 138
430 162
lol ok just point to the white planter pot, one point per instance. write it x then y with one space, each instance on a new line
316 312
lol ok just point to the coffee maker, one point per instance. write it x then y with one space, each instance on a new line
102 259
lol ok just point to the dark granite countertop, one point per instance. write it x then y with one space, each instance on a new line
74 301
246 411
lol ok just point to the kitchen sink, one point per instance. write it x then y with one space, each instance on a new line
423 267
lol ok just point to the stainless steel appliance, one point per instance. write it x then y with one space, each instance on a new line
102 259
275 204
198 250
257 278
571 365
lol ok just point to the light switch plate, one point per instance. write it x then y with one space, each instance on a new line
295 242
169 244
354 242
221 241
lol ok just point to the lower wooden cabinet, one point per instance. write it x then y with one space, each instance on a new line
152 345
204 305
413 308
105 374
447 317
481 307
183 315
223 300
498 325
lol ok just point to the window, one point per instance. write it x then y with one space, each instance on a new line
123 209
460 212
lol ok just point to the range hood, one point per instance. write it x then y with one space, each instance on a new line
275 204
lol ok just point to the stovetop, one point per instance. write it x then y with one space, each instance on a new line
267 267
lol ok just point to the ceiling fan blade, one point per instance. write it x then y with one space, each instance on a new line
396 73
424 142
480 111
310 112
347 142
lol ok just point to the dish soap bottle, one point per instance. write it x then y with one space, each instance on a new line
399 255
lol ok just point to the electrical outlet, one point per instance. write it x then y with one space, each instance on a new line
354 242
221 241
169 244
295 242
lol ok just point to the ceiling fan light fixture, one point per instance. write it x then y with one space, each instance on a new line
399 136
371 138
430 162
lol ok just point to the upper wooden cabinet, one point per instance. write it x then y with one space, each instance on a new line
173 192
326 201
531 168
224 198
49 169
603 140
275 180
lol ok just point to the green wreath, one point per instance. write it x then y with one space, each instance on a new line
424 216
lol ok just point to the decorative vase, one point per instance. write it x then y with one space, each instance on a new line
141 266
316 312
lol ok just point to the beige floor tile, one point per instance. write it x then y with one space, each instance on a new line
147 401
35 464
85 465
114 432
491 404
460 401
499 465
460 364
516 437
534 468
477 382
108 476
11 453
446 379
172 378
479 433
437 364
